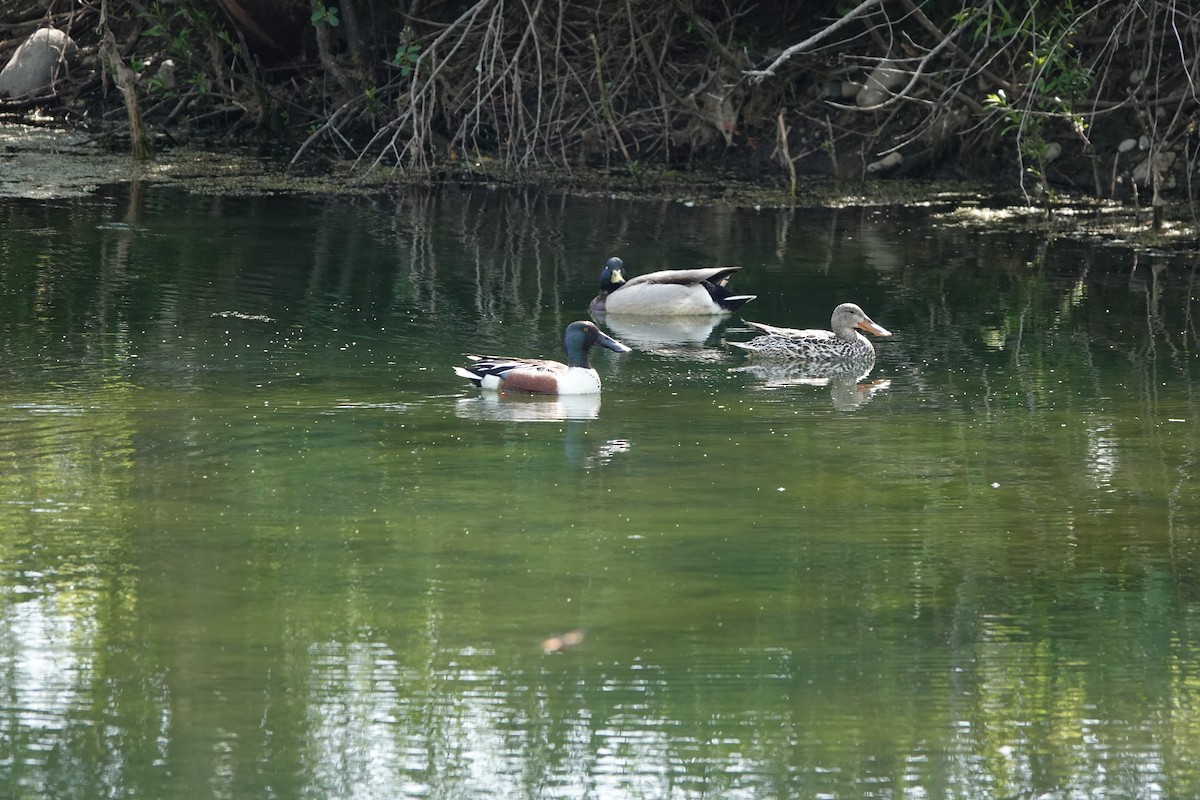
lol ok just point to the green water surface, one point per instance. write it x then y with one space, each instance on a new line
258 541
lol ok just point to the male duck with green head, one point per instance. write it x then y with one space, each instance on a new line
538 376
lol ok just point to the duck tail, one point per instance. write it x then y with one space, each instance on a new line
471 376
736 301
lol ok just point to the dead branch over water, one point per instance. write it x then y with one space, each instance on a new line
1098 97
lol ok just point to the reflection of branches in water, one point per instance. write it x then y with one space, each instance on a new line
1189 320
1028 335
413 225
1152 282
502 239
1161 377
1143 356
509 249
1180 378
1156 326
1044 332
114 260
497 244
934 347
783 231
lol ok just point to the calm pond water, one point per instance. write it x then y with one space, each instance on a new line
257 540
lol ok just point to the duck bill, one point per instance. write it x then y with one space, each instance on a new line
605 340
871 327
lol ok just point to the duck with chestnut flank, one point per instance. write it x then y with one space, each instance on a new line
539 376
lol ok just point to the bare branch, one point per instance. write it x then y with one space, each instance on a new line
757 75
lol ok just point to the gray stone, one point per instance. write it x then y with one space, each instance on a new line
886 164
38 62
880 83
1165 161
166 74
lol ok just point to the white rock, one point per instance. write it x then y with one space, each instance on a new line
1166 160
166 73
1127 145
842 90
1143 142
888 162
880 83
37 63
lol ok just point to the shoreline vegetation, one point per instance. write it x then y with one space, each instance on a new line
750 102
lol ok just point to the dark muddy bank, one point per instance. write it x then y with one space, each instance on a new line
754 103
45 163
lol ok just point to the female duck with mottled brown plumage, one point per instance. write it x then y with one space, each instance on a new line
843 344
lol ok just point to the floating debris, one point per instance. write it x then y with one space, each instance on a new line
240 315
556 644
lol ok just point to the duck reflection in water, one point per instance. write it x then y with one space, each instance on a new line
673 337
849 388
528 407
572 411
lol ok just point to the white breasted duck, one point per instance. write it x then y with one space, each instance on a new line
843 344
538 376
672 292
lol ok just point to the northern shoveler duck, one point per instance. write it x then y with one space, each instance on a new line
842 344
545 377
671 292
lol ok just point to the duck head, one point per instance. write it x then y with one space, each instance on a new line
613 274
581 336
848 316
